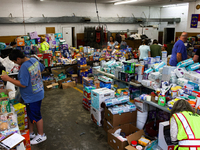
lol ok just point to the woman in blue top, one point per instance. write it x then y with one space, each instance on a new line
144 50
111 44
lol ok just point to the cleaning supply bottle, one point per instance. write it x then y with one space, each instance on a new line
161 98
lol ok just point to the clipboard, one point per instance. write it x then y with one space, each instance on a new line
20 139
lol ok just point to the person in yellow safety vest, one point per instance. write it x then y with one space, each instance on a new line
43 45
184 126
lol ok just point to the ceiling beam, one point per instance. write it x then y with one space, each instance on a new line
68 19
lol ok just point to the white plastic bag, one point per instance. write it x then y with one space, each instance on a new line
9 65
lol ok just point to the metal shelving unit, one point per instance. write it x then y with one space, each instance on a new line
113 76
164 108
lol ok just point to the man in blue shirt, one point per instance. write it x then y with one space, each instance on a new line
31 89
179 52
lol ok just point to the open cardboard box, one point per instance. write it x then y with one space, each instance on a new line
60 82
134 137
128 129
6 91
47 83
119 119
52 85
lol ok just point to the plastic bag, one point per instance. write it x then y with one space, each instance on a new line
9 65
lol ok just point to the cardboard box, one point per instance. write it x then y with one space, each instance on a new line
127 129
153 99
68 85
119 119
100 95
62 81
22 119
87 95
20 41
141 106
134 137
106 125
47 83
97 116
57 71
161 136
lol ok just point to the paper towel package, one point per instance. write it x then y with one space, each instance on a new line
180 72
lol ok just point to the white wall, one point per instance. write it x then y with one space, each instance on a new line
57 9
192 10
175 12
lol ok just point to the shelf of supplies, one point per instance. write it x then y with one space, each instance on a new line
164 108
149 87
107 74
113 76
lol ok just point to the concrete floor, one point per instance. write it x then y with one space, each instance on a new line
65 119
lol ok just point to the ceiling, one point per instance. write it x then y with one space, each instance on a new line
138 2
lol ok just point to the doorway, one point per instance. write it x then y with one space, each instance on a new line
168 35
67 35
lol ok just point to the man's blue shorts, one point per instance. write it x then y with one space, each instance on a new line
33 111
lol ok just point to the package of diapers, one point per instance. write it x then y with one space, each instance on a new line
185 63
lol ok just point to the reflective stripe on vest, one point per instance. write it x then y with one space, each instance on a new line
186 126
189 142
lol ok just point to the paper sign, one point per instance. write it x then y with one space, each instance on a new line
13 140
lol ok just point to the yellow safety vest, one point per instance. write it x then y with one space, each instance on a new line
188 130
43 47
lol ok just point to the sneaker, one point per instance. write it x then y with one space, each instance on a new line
32 135
38 139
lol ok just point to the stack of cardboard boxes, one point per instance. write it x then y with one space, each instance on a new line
83 68
98 97
88 86
22 120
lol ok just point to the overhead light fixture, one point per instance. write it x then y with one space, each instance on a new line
41 0
124 2
170 5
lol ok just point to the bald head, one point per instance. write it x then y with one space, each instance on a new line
184 37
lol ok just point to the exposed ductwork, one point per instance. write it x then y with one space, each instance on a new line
69 19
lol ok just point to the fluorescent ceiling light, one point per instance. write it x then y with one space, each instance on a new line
124 2
41 0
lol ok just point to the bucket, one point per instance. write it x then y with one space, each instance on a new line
141 119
